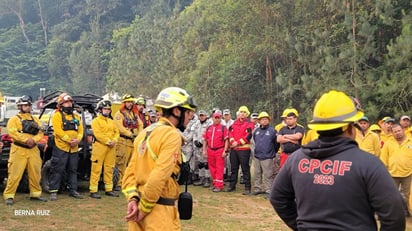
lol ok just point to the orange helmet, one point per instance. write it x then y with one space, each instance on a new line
63 98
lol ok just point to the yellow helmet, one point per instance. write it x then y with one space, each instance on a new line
174 97
287 111
263 114
375 127
128 98
141 101
245 109
333 110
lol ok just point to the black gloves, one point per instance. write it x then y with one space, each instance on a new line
198 144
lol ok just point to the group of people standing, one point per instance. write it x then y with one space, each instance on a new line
218 147
112 146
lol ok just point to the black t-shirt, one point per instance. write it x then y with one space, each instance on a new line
291 147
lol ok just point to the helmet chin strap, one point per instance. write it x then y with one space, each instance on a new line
181 119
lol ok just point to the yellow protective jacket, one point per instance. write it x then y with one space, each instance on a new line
397 157
104 130
151 179
385 137
369 143
310 136
120 120
62 137
15 126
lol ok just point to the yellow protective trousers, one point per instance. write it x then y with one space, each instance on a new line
124 151
20 159
102 157
162 217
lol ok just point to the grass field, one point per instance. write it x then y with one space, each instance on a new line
212 211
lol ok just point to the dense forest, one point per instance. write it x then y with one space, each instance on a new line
265 54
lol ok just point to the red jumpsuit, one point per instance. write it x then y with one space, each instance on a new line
215 137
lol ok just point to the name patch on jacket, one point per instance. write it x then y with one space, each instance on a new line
328 169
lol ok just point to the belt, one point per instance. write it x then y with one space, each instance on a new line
166 201
23 145
214 149
126 137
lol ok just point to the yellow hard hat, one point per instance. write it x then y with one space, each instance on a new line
128 98
263 114
333 110
141 101
174 97
375 127
245 109
287 111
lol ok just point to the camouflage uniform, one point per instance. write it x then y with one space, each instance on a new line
199 129
187 147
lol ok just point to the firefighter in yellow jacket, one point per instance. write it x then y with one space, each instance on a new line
129 125
149 183
106 135
68 132
25 131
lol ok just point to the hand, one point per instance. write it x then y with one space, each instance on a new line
234 144
111 144
132 211
198 144
30 142
204 154
74 142
224 154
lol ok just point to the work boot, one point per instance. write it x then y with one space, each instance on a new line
217 190
76 195
229 189
111 194
200 182
207 183
41 199
246 192
95 195
9 201
53 196
117 188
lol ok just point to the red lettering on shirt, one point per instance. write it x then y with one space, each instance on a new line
326 167
344 166
302 166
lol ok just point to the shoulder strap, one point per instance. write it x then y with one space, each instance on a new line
143 144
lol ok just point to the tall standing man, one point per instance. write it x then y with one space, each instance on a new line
150 183
129 125
330 184
68 132
397 157
25 131
215 149
266 148
368 141
240 135
290 136
103 152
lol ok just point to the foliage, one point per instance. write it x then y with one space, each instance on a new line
268 55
